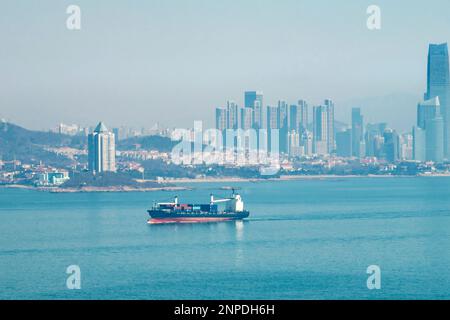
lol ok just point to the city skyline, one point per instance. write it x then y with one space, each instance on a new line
66 75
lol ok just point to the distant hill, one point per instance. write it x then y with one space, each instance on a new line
28 146
159 143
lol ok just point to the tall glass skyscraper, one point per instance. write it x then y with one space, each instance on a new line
438 85
254 100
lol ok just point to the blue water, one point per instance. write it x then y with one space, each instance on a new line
310 239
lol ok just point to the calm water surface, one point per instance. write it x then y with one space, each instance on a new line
309 239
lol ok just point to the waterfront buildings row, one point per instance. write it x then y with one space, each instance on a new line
289 120
120 133
429 139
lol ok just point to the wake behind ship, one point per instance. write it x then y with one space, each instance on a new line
174 212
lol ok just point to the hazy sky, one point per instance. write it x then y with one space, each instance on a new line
137 62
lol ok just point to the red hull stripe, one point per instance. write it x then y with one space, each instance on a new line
185 220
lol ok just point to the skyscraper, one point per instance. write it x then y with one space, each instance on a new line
246 118
330 119
257 115
438 85
254 100
101 150
294 118
272 123
434 134
232 115
357 133
426 110
419 151
250 97
391 145
344 143
373 137
282 119
221 119
320 130
428 136
272 118
303 115
323 128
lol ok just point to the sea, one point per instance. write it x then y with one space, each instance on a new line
305 239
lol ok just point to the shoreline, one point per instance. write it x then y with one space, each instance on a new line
294 177
94 189
206 180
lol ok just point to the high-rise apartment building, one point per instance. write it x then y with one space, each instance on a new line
101 150
302 115
246 118
282 118
221 119
254 100
323 128
357 133
232 115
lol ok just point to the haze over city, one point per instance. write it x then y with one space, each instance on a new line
140 63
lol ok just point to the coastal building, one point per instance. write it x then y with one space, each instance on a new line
418 144
438 85
429 132
282 119
254 100
426 110
221 119
257 122
294 118
357 133
323 128
374 139
232 115
250 97
434 135
306 143
246 118
101 150
406 146
272 117
302 115
344 143
391 145
294 144
54 178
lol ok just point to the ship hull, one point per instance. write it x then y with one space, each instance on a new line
158 217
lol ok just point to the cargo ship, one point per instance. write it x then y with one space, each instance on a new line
175 212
